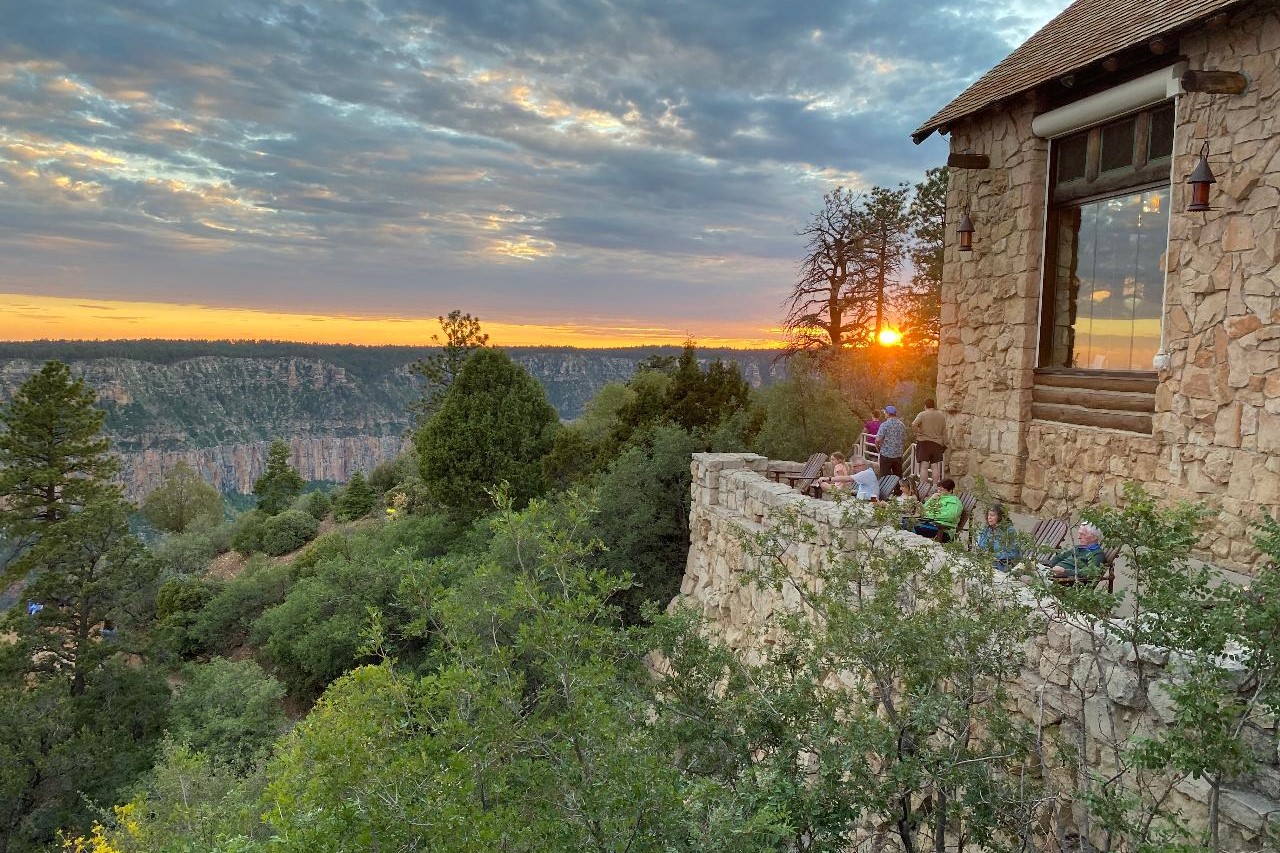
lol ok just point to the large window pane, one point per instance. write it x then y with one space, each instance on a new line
1108 291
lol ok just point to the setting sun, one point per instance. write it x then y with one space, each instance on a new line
889 337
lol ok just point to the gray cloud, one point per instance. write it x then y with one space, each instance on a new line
549 157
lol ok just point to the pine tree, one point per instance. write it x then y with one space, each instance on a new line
356 500
280 483
53 458
494 424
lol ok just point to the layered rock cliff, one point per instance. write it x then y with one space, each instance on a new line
217 405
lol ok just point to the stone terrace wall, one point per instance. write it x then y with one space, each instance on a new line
1217 420
1078 681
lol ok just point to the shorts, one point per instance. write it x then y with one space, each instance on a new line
929 451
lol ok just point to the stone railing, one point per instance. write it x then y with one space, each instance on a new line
1079 681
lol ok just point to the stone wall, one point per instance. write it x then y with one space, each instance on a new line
1217 421
1078 683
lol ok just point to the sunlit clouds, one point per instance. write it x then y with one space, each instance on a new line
530 162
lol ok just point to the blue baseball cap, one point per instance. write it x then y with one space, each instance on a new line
890 410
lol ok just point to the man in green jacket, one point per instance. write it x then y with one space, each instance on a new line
1083 562
940 515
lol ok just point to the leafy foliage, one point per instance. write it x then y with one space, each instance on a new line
228 710
183 500
288 531
462 335
804 415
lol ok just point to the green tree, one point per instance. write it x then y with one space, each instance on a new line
280 483
644 518
698 401
356 500
494 424
804 414
90 573
462 336
183 500
53 457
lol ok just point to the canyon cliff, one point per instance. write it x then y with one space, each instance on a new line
218 405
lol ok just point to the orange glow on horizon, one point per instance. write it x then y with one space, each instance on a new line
28 318
890 337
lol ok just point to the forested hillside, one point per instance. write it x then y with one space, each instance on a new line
216 404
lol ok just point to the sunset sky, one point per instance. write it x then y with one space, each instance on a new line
594 173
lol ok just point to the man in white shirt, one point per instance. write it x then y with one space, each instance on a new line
862 477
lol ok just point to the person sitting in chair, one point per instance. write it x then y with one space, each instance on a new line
1083 562
999 538
940 515
858 474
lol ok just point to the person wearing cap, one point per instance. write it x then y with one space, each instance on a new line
891 440
1082 562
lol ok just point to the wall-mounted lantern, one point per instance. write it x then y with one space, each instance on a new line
965 231
1200 180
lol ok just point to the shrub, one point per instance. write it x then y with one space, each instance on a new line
229 710
288 531
185 553
246 532
315 504
356 500
178 605
224 622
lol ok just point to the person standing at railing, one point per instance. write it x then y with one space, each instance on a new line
930 427
891 441
871 427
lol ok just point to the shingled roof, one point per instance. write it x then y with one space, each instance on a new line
1087 31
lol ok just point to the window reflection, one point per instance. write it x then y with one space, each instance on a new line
1108 283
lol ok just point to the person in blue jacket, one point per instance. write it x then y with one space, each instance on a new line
998 538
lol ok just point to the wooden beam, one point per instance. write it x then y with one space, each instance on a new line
1129 382
969 161
1102 419
1088 398
1215 82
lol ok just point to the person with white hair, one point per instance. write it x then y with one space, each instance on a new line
1083 562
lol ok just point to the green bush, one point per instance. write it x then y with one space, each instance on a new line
178 605
185 553
246 531
315 504
229 710
356 500
288 531
224 623
329 546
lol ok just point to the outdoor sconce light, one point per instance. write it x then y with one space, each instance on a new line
966 232
1200 180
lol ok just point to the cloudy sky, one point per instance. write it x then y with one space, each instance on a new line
595 171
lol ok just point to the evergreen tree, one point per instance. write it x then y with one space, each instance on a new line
494 424
462 335
184 499
53 458
356 500
94 580
280 483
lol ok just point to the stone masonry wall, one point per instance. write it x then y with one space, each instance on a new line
1217 419
1078 681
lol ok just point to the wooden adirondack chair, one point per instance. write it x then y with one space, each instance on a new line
968 502
1048 535
925 488
812 471
888 486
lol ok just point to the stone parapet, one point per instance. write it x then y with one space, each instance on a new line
1080 683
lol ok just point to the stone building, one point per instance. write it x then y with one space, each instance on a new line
1099 330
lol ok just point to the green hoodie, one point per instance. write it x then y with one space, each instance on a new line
944 509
